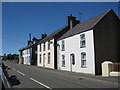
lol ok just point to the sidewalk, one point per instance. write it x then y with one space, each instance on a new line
86 76
99 78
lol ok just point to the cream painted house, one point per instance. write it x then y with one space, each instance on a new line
47 47
46 54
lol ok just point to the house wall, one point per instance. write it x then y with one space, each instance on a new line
107 46
51 51
20 57
34 55
72 45
56 37
26 56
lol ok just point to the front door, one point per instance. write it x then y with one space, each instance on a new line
72 62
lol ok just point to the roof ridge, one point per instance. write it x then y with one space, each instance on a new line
54 32
105 13
86 25
97 15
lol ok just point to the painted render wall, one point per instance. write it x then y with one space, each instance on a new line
51 51
72 45
107 42
26 56
34 55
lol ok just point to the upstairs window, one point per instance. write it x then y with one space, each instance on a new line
63 60
48 58
44 46
82 41
40 47
49 45
83 59
63 45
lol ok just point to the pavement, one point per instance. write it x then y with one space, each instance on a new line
111 79
38 77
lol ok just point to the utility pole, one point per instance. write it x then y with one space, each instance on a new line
30 36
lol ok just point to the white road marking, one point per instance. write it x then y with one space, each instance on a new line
40 83
21 73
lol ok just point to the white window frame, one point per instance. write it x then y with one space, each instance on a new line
44 46
63 60
82 40
83 60
48 58
40 59
40 47
73 58
49 45
63 45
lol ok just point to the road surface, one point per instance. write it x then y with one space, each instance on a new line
36 77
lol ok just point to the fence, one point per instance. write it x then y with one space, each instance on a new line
110 69
115 67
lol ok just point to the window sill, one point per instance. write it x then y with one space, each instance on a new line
83 67
82 46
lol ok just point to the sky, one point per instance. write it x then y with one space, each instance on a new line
21 18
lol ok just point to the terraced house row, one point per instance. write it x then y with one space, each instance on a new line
78 46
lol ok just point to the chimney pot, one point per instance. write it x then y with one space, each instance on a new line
71 21
43 35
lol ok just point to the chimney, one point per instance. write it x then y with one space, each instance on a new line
34 39
71 21
43 35
29 42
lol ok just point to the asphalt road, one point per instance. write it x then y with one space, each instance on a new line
36 77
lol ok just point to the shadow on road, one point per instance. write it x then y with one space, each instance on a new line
13 80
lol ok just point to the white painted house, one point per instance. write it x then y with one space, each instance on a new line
77 53
47 47
26 56
84 47
46 54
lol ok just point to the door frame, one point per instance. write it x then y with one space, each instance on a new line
71 61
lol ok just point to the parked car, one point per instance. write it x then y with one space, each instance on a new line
6 81
4 77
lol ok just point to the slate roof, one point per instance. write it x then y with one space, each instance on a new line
45 39
29 46
84 26
53 34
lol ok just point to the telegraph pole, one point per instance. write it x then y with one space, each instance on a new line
30 36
